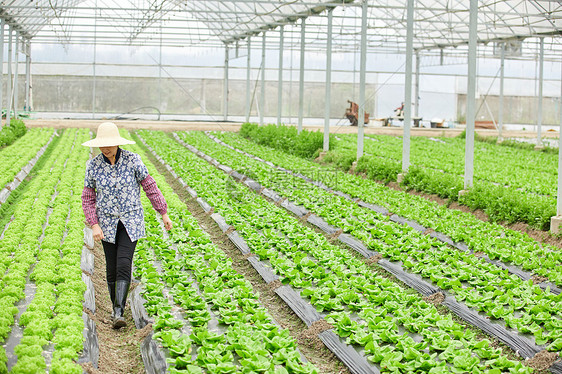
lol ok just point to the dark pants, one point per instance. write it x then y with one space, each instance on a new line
119 256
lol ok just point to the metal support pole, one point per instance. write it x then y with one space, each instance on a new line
17 54
280 78
301 77
1 66
470 97
408 88
262 93
27 105
559 194
225 85
502 76
417 87
94 63
328 94
248 73
160 72
9 89
362 76
541 76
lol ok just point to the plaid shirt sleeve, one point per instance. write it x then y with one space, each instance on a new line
89 205
154 195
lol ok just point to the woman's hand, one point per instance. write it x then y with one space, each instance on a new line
167 221
98 234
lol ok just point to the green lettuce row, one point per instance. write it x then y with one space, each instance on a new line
156 303
69 287
286 138
532 171
512 247
15 157
488 288
253 216
250 337
38 331
55 314
9 134
504 201
479 284
271 238
19 244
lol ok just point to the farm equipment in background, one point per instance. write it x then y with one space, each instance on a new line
352 113
437 123
399 115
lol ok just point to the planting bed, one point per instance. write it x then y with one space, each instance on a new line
512 183
509 166
275 265
206 315
18 160
509 246
354 297
470 279
42 289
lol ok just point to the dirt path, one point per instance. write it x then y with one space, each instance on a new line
119 349
235 126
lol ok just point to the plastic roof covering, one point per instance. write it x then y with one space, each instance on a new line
439 25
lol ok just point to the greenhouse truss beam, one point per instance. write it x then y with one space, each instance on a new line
438 24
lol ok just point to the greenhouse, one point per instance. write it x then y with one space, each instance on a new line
351 186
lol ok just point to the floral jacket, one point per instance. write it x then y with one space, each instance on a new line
112 194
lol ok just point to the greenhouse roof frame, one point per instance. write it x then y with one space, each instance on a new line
438 24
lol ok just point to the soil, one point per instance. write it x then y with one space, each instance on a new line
538 279
542 360
119 349
274 285
310 335
374 259
313 349
435 299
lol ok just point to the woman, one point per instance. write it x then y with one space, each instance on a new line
112 206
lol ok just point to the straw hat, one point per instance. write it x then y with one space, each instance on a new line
107 136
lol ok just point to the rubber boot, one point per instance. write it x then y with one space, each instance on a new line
111 288
121 290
